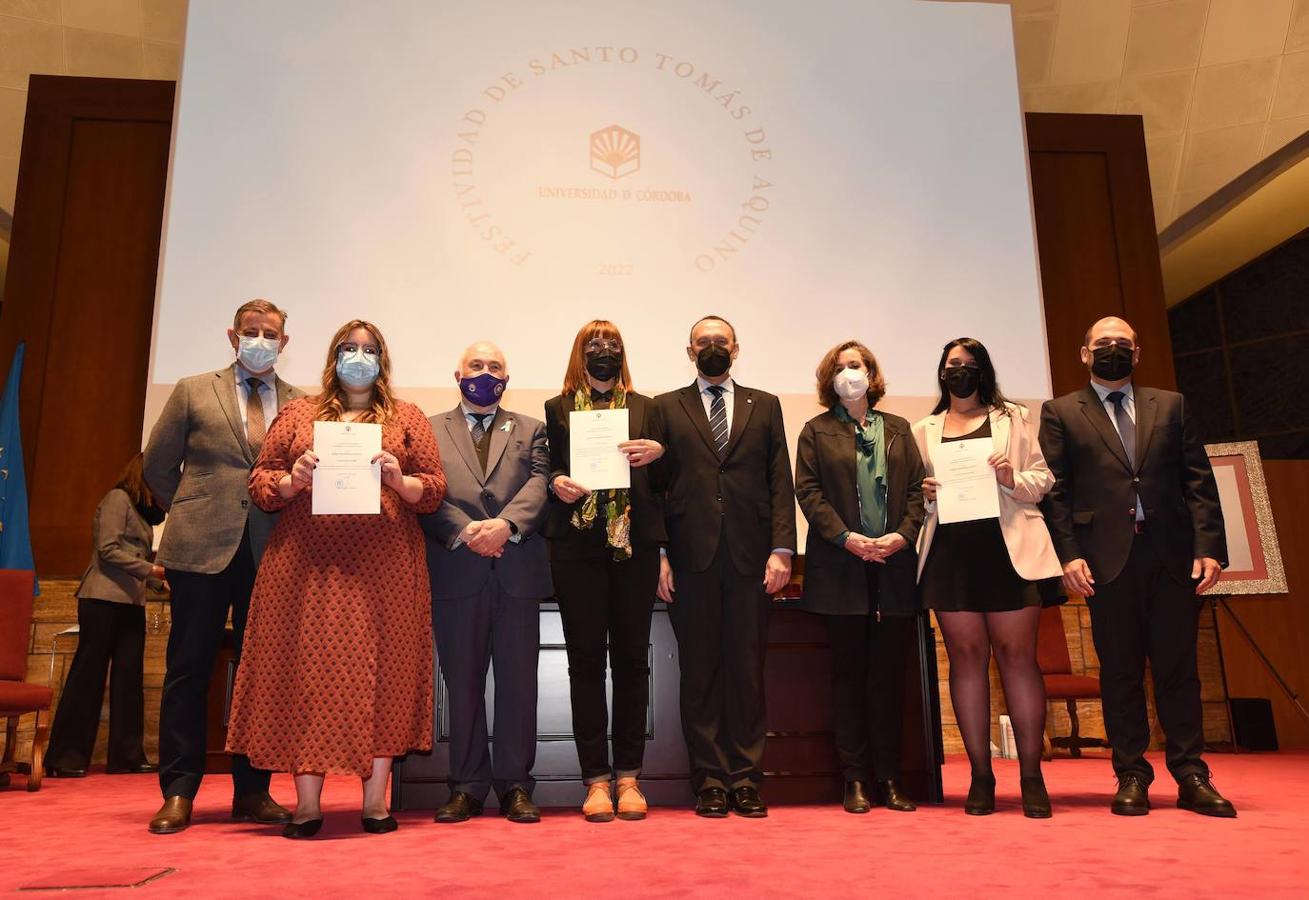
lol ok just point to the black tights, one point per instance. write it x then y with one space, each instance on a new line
969 639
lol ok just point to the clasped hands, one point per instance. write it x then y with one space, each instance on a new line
876 549
1004 473
486 537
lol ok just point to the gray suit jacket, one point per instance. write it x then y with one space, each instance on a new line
197 464
120 562
513 488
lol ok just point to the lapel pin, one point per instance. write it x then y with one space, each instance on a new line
507 426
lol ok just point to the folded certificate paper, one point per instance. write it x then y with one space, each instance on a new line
346 482
594 460
968 489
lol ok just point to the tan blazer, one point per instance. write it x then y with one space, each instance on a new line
197 463
120 562
1030 548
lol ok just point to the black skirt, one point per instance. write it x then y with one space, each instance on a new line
968 570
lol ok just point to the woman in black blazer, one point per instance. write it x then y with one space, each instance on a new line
604 556
858 478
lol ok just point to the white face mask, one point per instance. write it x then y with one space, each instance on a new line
258 354
850 384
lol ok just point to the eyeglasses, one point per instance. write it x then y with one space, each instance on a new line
600 345
350 348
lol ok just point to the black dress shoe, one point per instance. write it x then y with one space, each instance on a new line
746 802
981 796
1036 800
711 803
517 806
459 808
1195 793
259 808
141 768
379 826
302 830
1132 798
890 796
856 801
61 772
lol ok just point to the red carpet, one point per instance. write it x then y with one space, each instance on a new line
92 831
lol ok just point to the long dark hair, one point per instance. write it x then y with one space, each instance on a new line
988 389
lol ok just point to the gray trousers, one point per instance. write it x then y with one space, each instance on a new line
473 633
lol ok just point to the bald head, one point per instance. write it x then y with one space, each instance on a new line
479 357
1110 328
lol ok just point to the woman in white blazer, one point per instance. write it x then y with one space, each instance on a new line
986 579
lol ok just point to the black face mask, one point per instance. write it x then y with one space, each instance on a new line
152 514
713 361
961 381
1112 363
604 366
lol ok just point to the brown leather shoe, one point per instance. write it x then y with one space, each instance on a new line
259 808
173 816
631 802
599 804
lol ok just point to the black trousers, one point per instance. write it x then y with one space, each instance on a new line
868 684
606 606
1147 614
472 634
199 607
107 633
720 617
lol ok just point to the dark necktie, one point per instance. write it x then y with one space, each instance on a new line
479 426
718 418
1126 427
255 426
601 396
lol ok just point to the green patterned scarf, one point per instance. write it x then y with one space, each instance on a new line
618 509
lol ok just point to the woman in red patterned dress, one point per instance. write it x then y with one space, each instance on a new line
336 673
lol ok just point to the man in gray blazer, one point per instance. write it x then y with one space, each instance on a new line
490 569
198 463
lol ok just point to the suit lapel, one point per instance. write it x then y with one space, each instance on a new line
1000 426
225 391
1145 414
457 427
285 394
499 439
742 406
1095 413
691 403
635 416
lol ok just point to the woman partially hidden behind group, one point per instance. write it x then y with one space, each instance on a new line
983 578
336 675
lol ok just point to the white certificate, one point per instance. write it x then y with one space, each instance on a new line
968 489
345 480
594 460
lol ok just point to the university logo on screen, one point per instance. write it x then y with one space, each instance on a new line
615 152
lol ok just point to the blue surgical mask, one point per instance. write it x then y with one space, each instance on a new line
482 390
358 369
258 354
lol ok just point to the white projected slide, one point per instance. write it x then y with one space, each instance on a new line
508 169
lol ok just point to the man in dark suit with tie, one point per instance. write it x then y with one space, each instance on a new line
730 514
197 463
490 569
1135 520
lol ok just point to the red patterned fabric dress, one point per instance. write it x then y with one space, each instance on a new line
337 663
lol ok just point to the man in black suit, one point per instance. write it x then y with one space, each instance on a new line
1135 520
730 515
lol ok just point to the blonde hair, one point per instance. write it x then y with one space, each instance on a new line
331 402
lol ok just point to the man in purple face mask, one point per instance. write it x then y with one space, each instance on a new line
489 569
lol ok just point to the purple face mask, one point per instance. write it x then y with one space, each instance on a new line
482 390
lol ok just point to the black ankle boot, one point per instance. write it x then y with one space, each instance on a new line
1036 801
981 796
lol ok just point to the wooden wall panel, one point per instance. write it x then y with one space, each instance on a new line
80 292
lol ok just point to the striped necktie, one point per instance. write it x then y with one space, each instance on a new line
718 418
479 427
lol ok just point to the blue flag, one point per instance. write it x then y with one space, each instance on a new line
15 537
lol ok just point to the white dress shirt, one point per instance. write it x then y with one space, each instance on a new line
1129 404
